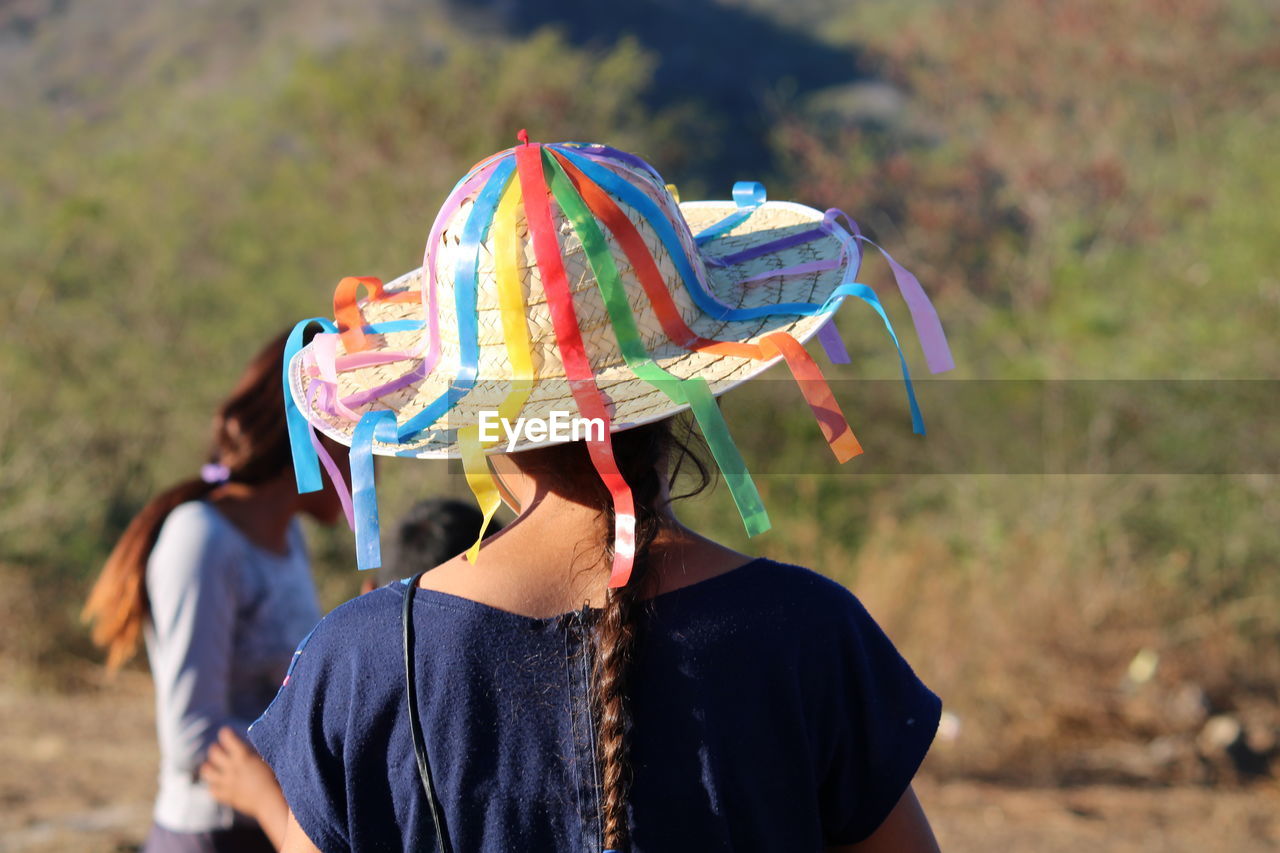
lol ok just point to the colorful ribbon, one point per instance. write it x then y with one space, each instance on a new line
335 473
346 308
590 400
515 329
748 196
475 467
465 278
807 374
933 341
694 391
373 426
306 465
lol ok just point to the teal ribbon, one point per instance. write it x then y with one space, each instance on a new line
635 198
748 195
373 426
465 277
306 465
867 295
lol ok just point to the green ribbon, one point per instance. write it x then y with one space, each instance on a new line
693 392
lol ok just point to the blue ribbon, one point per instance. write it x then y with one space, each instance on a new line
373 426
658 221
306 465
748 195
661 225
598 150
867 295
465 276
394 326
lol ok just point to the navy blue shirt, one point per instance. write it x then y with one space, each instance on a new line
770 713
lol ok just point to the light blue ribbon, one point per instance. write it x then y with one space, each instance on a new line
658 221
373 426
748 195
306 465
381 425
394 326
465 277
867 295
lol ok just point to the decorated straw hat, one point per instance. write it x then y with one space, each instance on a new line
564 284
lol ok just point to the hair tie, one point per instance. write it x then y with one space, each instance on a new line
215 473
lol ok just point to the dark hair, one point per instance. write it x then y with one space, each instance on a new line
249 438
432 531
650 457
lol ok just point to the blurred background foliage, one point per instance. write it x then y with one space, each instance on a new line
1089 190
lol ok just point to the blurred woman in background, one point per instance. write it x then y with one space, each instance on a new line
213 573
432 531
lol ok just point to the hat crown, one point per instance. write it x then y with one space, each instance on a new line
447 252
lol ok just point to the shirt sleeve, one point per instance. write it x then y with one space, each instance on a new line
881 720
192 589
301 735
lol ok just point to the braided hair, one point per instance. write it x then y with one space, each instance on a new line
650 457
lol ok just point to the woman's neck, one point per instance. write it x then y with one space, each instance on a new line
261 512
553 559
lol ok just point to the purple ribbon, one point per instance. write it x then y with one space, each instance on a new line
768 248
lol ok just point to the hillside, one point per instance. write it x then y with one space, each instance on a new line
1090 196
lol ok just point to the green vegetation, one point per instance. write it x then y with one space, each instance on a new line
1088 189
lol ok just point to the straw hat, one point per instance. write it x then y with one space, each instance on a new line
633 400
554 263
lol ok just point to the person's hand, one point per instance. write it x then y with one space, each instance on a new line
239 778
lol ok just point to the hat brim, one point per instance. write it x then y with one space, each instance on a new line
632 401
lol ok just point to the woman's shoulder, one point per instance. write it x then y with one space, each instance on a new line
355 646
786 611
196 516
193 537
799 580
366 621
774 587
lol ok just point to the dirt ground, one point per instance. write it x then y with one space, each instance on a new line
77 774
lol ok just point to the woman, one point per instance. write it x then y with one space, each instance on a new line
432 531
598 675
214 574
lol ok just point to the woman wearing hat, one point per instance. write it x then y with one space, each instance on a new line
214 574
598 676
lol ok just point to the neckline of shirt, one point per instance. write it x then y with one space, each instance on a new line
458 602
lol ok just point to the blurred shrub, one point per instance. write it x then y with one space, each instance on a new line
1091 188
1088 188
155 248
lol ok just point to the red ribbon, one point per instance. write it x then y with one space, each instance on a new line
590 400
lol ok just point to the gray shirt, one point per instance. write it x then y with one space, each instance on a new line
226 616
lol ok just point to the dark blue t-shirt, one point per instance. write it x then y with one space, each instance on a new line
770 713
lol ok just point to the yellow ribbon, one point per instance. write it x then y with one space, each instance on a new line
476 469
515 332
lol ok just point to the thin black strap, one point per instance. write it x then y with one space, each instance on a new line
415 723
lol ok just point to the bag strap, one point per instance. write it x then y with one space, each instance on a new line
415 722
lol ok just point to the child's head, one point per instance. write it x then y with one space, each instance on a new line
430 533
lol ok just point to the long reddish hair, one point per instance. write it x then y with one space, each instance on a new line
249 438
